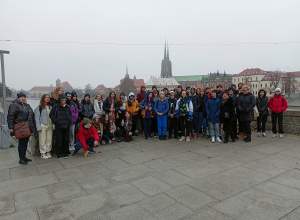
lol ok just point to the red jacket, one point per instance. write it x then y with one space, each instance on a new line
83 134
140 96
277 104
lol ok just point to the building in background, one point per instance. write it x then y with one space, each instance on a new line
166 64
38 91
101 89
212 80
161 83
189 81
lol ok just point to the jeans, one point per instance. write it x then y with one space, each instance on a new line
62 142
72 135
275 117
173 126
194 123
107 135
89 142
261 123
214 129
147 126
22 147
185 125
202 121
162 124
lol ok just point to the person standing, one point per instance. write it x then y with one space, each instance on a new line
98 105
172 118
277 105
19 111
61 117
202 123
140 98
154 126
54 96
44 126
227 115
262 107
147 108
196 105
87 108
161 108
111 106
133 108
74 111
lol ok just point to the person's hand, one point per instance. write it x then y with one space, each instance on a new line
96 143
86 153
150 109
171 115
11 130
111 109
130 133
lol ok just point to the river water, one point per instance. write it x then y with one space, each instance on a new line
33 103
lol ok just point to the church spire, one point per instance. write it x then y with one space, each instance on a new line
165 55
168 50
126 75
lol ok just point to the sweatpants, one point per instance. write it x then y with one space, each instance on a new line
172 126
162 124
72 135
62 142
22 147
185 125
277 117
45 140
261 123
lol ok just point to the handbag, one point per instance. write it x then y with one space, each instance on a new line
22 130
255 112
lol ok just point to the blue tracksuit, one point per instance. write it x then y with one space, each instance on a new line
161 107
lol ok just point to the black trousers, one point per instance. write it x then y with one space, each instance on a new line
154 124
228 129
277 117
185 125
62 142
22 147
246 128
172 125
261 123
234 125
194 122
134 121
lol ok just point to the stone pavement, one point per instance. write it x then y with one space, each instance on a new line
152 179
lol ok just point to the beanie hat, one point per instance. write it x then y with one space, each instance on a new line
143 86
74 94
95 116
68 94
21 94
161 93
187 88
230 88
60 97
154 86
87 95
86 121
278 89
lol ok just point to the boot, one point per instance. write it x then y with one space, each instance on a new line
248 139
164 137
27 159
160 137
226 141
170 136
150 136
23 161
146 136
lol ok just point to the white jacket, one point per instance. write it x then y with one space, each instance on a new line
98 108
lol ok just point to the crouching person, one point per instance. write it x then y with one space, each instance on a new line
86 138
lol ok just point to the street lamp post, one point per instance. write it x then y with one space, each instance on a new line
5 131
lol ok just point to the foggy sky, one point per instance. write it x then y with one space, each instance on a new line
144 22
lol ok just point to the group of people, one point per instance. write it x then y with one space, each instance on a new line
181 114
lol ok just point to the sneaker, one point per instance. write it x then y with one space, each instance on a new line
65 156
164 137
92 151
182 138
274 135
48 154
195 136
226 141
213 140
264 134
113 139
150 136
71 148
219 140
44 156
75 153
103 142
188 138
258 134
154 135
190 135
281 135
109 141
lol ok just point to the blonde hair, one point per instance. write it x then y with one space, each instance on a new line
96 97
55 94
246 87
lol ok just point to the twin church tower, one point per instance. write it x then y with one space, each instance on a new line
166 64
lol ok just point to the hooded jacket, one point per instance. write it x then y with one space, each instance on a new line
189 106
227 108
245 105
172 106
74 111
161 106
143 104
83 134
213 109
87 109
196 103
61 116
133 108
140 96
98 107
278 104
262 103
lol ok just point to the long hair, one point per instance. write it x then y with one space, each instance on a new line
120 100
96 98
43 103
55 94
109 97
88 102
102 120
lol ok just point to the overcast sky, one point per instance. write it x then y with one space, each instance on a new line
144 22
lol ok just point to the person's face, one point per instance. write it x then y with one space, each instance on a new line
154 89
188 91
88 125
74 98
213 94
22 99
150 95
112 95
230 92
183 94
245 91
86 98
219 88
122 96
262 93
192 91
98 97
155 95
97 119
47 99
161 96
225 96
234 87
69 97
172 96
277 93
179 90
202 93
131 97
143 89
106 117
127 115
63 101
60 92
166 92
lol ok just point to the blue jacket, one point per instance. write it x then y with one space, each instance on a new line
213 110
161 106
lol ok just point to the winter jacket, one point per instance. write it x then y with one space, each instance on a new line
83 134
74 111
143 104
140 96
107 105
19 112
189 107
98 107
262 104
278 104
112 128
54 102
227 109
61 116
213 109
41 117
87 109
196 103
161 106
245 105
202 106
133 108
172 106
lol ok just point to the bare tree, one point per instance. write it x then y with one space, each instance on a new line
275 78
290 84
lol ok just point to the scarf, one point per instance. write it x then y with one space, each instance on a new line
112 114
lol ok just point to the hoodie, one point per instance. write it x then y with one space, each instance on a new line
83 134
278 104
132 105
262 103
161 106
146 103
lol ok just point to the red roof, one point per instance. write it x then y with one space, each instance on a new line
249 72
66 85
138 82
268 76
43 88
297 73
117 87
101 87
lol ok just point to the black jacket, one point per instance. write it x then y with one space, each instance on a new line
106 106
196 103
87 109
19 112
227 108
262 104
202 106
245 105
172 106
61 116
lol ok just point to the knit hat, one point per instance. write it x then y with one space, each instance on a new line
230 88
86 121
161 93
21 94
68 94
95 116
74 94
87 95
187 88
143 86
60 97
278 89
154 86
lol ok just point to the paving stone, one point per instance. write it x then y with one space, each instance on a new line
157 203
130 212
141 157
13 186
28 214
115 164
294 215
172 177
160 164
129 150
7 205
292 153
151 186
192 156
49 167
290 178
177 160
272 171
125 194
69 174
173 212
267 148
32 198
73 208
190 197
280 161
112 154
65 190
94 168
24 171
4 175
130 172
213 151
208 213
93 182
